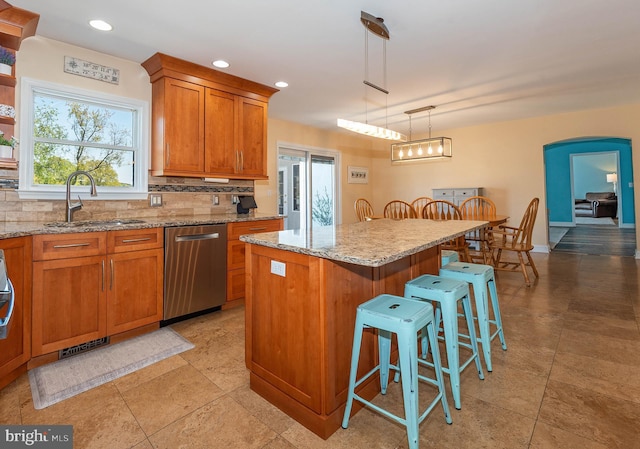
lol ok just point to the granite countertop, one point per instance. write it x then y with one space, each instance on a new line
369 243
10 229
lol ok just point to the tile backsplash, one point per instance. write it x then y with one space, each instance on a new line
180 197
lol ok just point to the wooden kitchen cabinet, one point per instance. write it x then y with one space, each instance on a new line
15 350
235 254
90 285
218 120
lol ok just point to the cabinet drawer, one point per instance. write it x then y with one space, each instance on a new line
443 194
235 230
134 240
465 193
235 284
64 246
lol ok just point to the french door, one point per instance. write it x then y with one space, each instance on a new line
308 187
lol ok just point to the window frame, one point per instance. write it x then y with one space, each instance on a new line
140 140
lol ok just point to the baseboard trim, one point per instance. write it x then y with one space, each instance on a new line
562 224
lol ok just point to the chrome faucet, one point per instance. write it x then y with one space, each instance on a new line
72 207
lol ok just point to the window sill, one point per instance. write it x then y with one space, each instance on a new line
102 196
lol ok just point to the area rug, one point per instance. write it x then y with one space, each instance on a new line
607 221
65 378
555 235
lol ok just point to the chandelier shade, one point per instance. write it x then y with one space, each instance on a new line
370 130
423 149
431 148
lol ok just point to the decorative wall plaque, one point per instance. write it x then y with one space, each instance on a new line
92 70
358 175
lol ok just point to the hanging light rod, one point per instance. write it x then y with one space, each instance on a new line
422 109
384 91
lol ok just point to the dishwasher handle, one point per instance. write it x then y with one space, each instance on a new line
194 237
4 323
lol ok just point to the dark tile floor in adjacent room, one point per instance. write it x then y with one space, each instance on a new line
569 379
598 240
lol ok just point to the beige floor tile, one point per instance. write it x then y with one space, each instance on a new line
169 397
109 426
146 444
608 378
267 413
220 424
626 328
590 344
521 354
548 437
609 421
10 404
607 305
148 373
478 424
228 374
279 443
508 388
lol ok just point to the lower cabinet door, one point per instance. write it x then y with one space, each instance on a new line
15 349
135 290
69 303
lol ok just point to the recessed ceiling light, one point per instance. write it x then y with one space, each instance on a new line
221 64
100 25
282 84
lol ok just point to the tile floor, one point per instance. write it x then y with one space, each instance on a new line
569 379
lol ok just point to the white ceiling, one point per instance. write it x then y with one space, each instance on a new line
477 61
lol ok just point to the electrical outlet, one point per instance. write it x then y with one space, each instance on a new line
216 200
278 268
234 199
155 200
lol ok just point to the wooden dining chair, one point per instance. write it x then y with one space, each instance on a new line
363 209
478 208
446 210
399 210
419 203
518 241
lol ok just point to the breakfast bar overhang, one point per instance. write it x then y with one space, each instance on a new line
302 291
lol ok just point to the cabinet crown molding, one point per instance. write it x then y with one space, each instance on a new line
161 65
16 24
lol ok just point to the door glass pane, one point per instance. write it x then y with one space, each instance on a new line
322 190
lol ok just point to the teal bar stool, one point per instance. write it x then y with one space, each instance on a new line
482 278
447 294
447 256
396 315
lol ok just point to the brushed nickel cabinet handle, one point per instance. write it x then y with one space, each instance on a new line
168 157
257 229
143 239
241 160
103 275
71 245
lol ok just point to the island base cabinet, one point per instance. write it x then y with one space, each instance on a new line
15 349
299 328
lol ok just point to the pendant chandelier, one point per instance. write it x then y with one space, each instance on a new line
376 26
423 149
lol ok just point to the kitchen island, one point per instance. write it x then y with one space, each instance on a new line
303 288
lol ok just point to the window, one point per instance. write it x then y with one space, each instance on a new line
64 129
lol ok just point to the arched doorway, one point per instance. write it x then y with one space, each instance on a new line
564 184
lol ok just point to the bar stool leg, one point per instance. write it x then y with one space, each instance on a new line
496 313
450 309
384 345
355 356
432 332
482 309
409 369
468 315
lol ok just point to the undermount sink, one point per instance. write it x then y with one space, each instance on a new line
78 224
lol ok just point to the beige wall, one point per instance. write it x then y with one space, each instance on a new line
506 159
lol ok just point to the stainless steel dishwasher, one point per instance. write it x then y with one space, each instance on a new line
195 270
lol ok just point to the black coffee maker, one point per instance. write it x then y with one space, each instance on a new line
245 204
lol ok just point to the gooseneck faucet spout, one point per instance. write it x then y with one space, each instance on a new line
72 207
